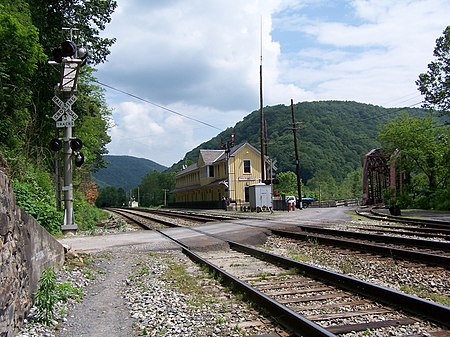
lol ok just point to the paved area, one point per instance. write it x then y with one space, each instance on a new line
243 231
235 230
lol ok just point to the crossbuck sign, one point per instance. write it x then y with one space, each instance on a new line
65 112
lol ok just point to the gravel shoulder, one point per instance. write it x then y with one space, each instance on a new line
103 311
127 291
115 305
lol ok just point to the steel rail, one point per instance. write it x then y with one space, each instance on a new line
419 231
432 311
425 222
297 323
126 213
430 244
288 318
198 217
439 260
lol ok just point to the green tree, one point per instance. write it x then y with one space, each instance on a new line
93 122
288 183
19 56
424 152
110 196
49 17
351 187
152 188
323 186
435 83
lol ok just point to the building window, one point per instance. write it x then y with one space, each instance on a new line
247 166
246 194
211 171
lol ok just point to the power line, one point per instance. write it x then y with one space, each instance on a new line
389 112
158 105
402 99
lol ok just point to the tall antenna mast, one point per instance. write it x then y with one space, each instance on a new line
263 164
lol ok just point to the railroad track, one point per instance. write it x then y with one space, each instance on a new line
375 244
422 251
423 223
314 302
311 301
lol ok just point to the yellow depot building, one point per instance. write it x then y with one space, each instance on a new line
219 178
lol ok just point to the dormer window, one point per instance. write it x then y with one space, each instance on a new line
211 171
247 166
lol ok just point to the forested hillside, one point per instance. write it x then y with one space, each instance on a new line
30 32
124 171
333 136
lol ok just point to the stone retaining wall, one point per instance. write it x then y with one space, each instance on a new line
26 249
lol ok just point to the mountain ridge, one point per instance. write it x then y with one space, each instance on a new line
125 171
333 137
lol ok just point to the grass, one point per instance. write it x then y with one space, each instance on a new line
297 256
181 280
348 265
423 293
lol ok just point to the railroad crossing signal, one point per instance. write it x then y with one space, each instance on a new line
64 107
65 112
71 56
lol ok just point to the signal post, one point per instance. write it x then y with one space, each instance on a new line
71 57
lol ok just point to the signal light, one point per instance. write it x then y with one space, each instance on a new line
76 144
79 159
56 144
70 49
57 55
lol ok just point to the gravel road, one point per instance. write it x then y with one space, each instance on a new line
103 311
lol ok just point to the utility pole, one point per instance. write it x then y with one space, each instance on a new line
227 146
297 163
165 196
71 57
263 159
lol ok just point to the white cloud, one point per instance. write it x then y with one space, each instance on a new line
201 59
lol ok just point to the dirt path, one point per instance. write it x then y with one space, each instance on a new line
103 311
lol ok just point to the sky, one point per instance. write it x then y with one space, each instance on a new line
182 71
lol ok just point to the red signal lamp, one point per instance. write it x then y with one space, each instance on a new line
56 144
76 144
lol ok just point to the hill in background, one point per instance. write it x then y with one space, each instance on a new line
125 171
333 136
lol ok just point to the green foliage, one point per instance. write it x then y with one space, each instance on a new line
93 122
125 172
49 293
288 183
19 55
435 84
86 215
35 197
351 187
46 297
66 291
424 156
151 190
111 196
322 187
